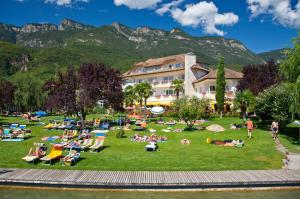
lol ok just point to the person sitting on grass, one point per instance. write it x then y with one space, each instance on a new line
127 127
185 141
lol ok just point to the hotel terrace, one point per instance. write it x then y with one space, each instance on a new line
199 80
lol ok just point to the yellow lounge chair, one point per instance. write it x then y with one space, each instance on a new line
55 153
48 126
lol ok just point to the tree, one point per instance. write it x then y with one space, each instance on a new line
245 101
290 68
129 95
62 92
178 86
28 95
98 82
78 92
143 91
7 90
191 109
257 78
294 95
220 86
273 104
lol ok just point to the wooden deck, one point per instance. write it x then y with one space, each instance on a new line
147 179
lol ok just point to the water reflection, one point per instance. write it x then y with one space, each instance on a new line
6 193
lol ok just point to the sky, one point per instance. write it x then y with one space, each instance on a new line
262 25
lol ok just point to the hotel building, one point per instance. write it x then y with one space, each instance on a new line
199 80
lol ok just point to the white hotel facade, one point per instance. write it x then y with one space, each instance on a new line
199 80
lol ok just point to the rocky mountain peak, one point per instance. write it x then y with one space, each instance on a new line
32 27
71 24
176 30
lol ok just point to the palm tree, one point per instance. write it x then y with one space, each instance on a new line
243 100
129 95
143 92
147 91
178 86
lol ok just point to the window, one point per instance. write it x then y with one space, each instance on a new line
170 66
227 87
168 79
169 92
178 65
212 88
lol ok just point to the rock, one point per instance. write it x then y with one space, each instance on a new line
215 128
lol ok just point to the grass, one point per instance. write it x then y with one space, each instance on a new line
123 154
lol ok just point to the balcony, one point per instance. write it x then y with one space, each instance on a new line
140 72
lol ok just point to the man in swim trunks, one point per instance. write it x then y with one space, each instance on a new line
274 128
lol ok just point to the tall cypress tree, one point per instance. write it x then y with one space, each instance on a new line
220 86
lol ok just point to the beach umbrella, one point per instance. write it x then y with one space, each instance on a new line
41 113
157 110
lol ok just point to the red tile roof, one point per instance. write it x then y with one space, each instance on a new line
229 74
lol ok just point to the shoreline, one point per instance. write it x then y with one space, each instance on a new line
157 181
245 189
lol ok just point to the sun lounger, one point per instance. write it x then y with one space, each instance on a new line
13 126
35 154
152 146
7 133
98 144
86 144
71 158
55 153
22 127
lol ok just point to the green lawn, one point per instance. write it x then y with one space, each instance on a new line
122 154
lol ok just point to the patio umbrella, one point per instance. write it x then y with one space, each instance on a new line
157 110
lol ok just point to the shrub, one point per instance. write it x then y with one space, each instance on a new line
273 104
120 134
191 109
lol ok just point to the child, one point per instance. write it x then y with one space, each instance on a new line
250 127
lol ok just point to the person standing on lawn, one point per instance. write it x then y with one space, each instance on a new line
250 127
274 128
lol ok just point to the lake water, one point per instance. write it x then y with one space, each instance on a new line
6 193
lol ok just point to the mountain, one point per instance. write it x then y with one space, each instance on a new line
52 47
276 55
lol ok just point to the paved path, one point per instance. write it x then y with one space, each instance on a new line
291 160
153 180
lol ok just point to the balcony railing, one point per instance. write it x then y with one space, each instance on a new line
153 71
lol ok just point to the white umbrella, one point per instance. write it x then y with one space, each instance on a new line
157 110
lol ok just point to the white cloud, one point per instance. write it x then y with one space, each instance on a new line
65 2
137 4
168 6
204 14
281 11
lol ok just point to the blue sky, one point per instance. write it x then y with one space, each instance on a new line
262 25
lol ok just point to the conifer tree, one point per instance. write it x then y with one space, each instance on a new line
220 86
